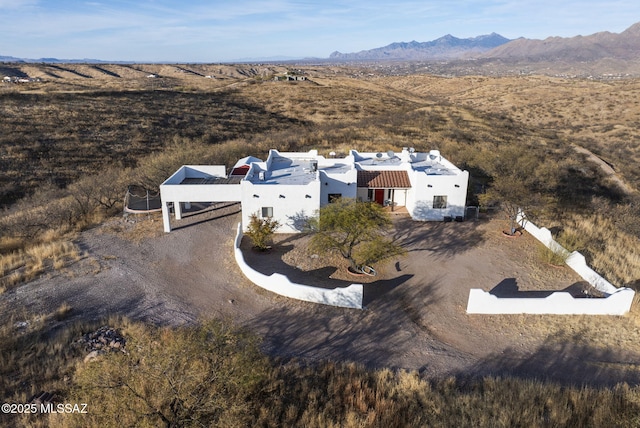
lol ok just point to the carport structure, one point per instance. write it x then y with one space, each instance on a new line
197 183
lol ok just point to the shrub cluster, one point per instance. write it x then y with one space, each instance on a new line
213 374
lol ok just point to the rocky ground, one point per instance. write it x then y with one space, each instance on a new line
415 315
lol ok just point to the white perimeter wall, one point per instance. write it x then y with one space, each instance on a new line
560 303
349 297
617 301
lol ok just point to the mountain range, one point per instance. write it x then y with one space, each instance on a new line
603 45
446 47
612 51
623 46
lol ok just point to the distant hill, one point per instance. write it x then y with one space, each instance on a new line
54 60
603 45
446 47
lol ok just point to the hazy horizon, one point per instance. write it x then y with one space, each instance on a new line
171 31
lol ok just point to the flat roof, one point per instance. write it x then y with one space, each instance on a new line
291 171
384 160
430 167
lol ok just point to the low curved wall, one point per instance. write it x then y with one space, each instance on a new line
348 297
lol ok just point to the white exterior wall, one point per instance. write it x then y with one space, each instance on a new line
617 301
420 196
345 184
288 210
334 176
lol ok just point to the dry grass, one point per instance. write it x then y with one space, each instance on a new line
183 118
610 250
548 256
166 367
24 265
136 227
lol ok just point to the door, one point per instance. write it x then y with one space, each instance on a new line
379 196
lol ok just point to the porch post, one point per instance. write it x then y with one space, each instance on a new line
166 221
178 210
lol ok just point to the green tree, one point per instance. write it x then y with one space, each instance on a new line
355 230
519 181
261 230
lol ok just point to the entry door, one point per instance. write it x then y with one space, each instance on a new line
379 196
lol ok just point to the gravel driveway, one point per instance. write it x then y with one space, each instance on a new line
415 314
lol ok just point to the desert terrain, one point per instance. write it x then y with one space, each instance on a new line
76 135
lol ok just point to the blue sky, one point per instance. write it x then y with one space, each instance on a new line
228 30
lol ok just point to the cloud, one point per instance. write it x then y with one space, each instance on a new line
16 4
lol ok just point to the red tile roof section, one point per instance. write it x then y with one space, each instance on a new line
384 179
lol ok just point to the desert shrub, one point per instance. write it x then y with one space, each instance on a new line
36 358
191 376
104 191
260 230
348 395
213 374
550 257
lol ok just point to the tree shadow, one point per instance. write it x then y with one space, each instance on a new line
318 332
508 288
565 360
270 262
375 290
443 238
299 221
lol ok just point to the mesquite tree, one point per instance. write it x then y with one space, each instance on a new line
355 230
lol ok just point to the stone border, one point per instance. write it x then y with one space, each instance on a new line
347 297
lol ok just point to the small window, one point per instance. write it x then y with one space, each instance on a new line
370 194
267 212
334 197
439 202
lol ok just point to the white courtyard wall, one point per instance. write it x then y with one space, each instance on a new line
617 301
348 297
559 303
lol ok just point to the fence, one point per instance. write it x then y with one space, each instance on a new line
139 200
617 301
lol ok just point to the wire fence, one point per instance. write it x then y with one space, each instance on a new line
139 200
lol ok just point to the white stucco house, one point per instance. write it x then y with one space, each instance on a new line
291 186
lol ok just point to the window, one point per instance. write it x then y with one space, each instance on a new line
267 212
439 202
334 197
